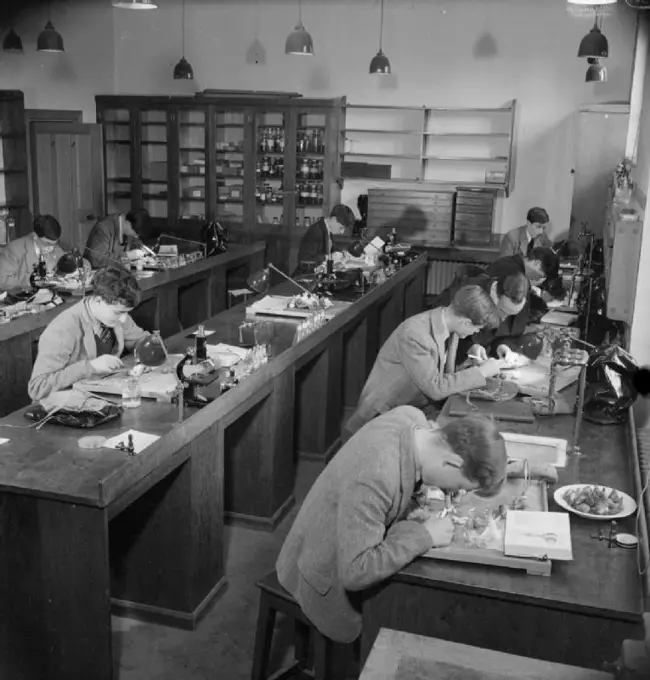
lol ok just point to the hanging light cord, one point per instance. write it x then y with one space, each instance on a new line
381 27
183 27
299 12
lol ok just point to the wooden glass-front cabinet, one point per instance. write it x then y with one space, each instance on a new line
265 166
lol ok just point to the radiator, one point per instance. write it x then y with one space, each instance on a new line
441 273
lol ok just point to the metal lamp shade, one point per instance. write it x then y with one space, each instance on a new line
594 44
183 70
592 2
12 42
49 40
299 42
259 281
596 73
134 4
380 64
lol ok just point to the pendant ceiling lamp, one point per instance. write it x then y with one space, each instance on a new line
380 64
594 44
134 4
593 3
299 42
12 42
596 73
183 70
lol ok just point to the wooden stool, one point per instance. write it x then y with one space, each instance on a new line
273 599
237 295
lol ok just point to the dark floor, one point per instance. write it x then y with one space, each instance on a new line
221 647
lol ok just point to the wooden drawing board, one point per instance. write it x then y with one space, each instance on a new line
516 411
156 384
462 548
276 305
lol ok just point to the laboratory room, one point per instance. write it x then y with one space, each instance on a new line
323 349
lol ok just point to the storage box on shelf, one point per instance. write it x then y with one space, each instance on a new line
265 166
14 200
451 146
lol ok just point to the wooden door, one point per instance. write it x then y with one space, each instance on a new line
67 176
601 135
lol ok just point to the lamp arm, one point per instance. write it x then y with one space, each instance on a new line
288 278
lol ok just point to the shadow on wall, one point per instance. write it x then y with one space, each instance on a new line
256 53
486 47
412 224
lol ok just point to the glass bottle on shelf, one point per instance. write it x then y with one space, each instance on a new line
304 169
275 221
313 195
265 167
304 193
297 221
307 221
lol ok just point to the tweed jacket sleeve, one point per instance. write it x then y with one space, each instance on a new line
13 273
132 333
509 245
420 361
369 554
54 369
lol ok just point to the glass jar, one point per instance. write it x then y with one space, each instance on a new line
131 395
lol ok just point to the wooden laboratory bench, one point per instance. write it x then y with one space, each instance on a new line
87 532
579 615
403 656
171 300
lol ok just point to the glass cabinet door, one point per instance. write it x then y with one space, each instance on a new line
310 167
117 155
192 171
229 136
153 126
269 168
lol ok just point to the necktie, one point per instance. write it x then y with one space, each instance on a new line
105 334
529 249
452 349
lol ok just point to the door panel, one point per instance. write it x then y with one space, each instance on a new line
68 177
601 145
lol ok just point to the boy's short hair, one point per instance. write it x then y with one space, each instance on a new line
47 226
475 304
549 260
141 223
514 286
344 215
537 216
479 443
116 286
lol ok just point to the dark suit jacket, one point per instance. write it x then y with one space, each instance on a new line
104 246
350 532
314 245
515 242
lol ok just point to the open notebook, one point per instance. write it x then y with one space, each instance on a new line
538 534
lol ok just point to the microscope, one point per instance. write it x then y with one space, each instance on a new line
194 371
399 254
38 277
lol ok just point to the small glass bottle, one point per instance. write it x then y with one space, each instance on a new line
200 342
131 395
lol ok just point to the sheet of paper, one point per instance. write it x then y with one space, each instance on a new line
559 318
538 534
207 332
141 440
376 243
226 355
3 441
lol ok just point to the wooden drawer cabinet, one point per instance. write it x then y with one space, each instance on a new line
421 217
474 216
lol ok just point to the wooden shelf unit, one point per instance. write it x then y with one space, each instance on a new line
449 146
208 153
13 162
